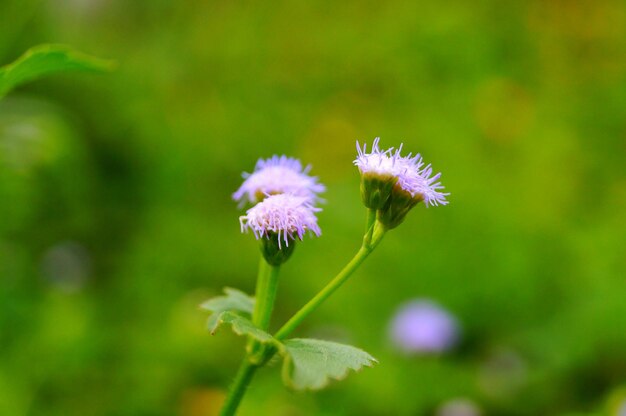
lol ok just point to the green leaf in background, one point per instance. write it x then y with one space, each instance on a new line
243 326
311 363
46 60
235 300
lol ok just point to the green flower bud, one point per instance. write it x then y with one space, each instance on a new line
399 204
274 249
376 189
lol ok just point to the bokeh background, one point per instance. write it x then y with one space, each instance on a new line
116 218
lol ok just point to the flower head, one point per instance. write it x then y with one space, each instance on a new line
378 174
285 215
377 162
278 175
393 184
422 326
406 170
420 182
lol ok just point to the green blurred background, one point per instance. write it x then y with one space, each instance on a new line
116 218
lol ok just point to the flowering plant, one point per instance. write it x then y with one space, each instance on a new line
285 198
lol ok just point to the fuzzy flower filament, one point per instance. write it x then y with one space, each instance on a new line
278 221
278 175
378 174
421 183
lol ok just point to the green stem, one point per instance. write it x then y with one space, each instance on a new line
267 286
369 226
238 388
377 234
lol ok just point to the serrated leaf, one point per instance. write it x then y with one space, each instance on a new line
45 60
243 326
311 363
235 300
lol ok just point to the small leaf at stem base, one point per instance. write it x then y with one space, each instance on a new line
243 326
235 300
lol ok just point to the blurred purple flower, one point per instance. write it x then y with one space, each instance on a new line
422 326
286 215
407 169
459 407
278 175
621 411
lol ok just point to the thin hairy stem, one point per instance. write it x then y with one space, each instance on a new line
238 388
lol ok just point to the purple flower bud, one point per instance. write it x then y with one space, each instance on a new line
278 175
422 326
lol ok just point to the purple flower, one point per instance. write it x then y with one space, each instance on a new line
420 182
408 171
621 411
278 175
422 326
376 162
285 215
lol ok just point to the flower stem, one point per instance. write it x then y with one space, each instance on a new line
238 388
369 225
377 234
267 286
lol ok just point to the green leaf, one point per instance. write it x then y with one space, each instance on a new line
45 60
243 326
234 300
311 363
